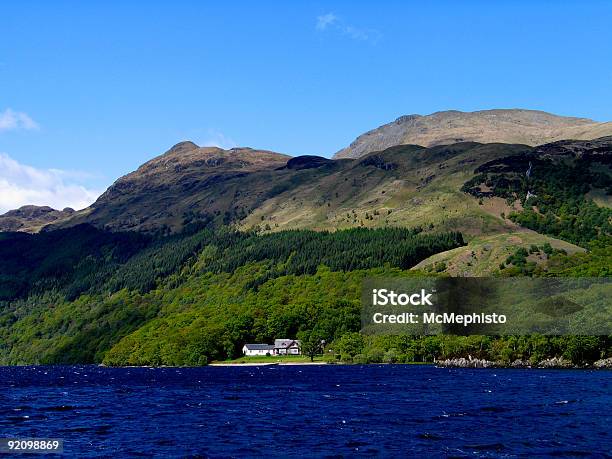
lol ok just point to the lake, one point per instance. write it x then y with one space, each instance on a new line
310 411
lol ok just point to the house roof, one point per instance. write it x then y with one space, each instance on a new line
259 347
285 343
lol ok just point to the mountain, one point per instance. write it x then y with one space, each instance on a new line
406 186
515 126
473 188
185 183
30 219
156 272
402 185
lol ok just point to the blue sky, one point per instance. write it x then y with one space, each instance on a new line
90 90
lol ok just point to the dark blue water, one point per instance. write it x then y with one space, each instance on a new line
297 411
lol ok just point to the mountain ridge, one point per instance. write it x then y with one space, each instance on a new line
30 218
514 126
405 185
259 189
172 187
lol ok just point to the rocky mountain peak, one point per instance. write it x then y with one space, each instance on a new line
32 218
183 147
513 126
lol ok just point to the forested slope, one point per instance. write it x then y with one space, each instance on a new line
197 290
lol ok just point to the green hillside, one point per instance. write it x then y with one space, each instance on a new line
283 246
199 297
83 290
484 255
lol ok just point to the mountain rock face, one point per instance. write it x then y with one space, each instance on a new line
184 184
527 127
30 219
307 162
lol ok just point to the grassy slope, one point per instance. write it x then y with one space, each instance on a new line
483 255
424 190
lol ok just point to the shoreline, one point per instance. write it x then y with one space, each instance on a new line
440 364
554 363
263 364
551 364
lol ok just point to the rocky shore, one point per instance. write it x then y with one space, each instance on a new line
555 362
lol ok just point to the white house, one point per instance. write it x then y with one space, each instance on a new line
287 347
257 349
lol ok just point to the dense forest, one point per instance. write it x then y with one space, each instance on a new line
83 259
70 295
196 297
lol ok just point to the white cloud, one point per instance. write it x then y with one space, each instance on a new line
218 139
21 184
326 20
356 34
331 22
11 120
